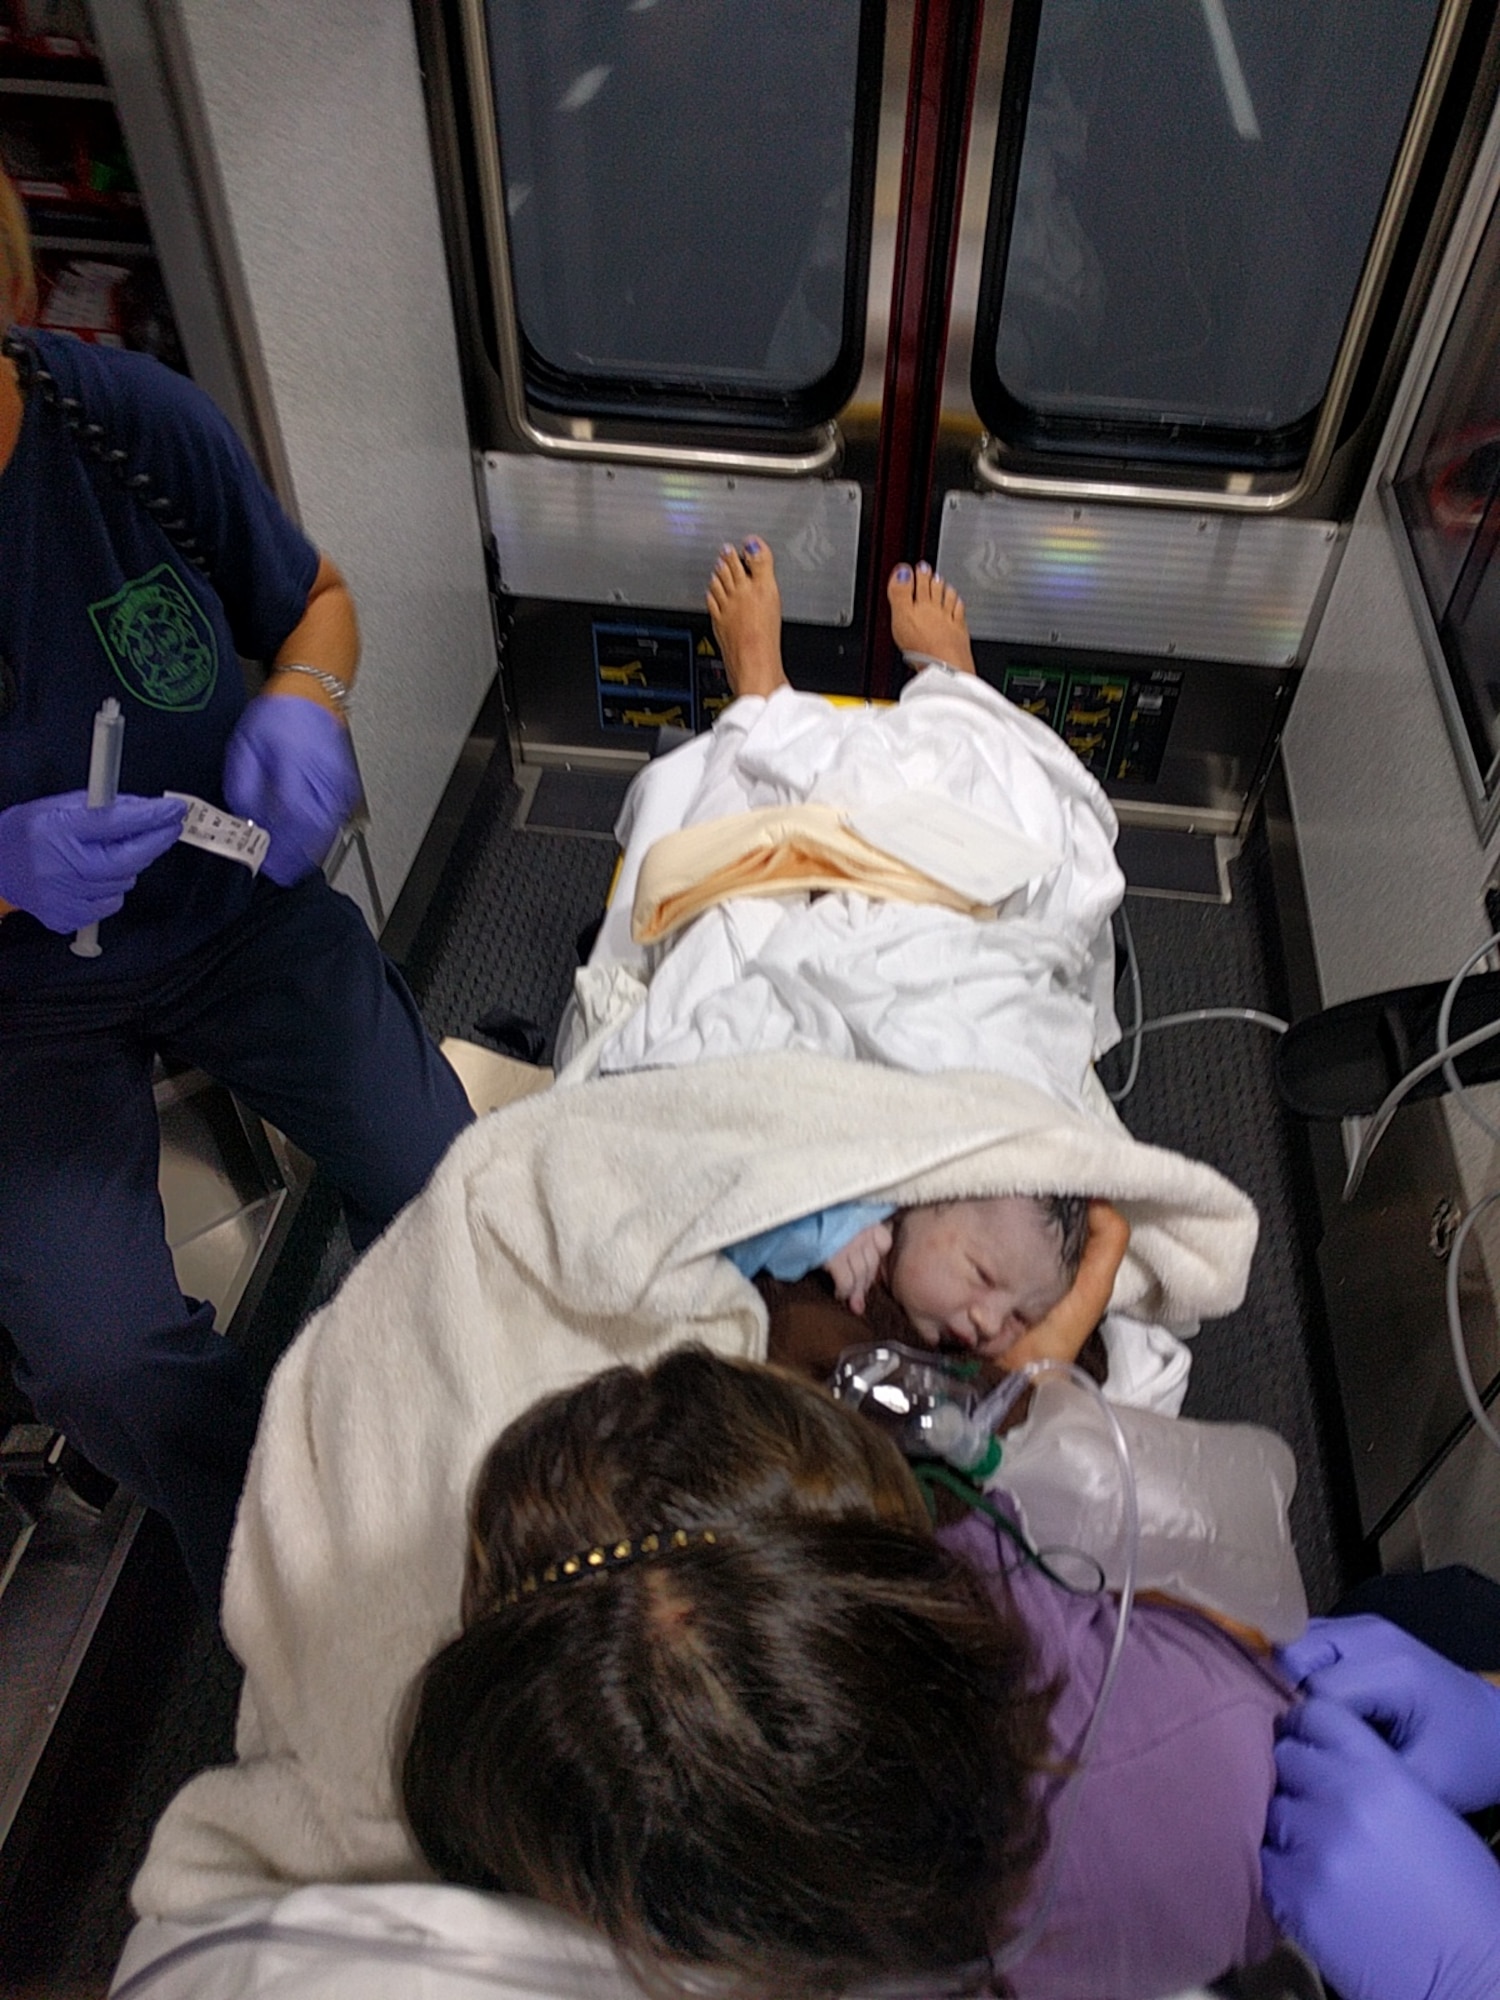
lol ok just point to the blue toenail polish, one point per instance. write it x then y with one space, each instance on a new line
903 573
752 547
924 569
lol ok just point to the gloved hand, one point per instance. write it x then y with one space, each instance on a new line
1393 1896
856 1266
290 768
1443 1723
68 864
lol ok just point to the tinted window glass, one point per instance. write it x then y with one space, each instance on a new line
1446 489
680 184
1198 185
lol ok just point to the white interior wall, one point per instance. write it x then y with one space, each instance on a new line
1392 860
1395 873
315 121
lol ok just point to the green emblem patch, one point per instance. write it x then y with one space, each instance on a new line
159 640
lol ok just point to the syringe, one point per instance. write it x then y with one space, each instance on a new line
104 784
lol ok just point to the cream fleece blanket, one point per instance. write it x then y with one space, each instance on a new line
563 1234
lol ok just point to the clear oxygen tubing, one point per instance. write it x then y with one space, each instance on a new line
1065 1809
1445 1015
1140 1027
1138 1000
104 786
1442 1058
968 1978
1465 1373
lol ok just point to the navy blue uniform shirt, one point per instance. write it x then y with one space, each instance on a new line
95 600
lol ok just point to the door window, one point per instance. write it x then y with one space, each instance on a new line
687 194
1185 195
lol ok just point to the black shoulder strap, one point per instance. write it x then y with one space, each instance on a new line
91 437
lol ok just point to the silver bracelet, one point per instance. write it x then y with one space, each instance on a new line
337 691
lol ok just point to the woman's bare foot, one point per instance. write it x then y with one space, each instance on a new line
927 617
744 603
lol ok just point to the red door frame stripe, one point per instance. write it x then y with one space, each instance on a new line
945 37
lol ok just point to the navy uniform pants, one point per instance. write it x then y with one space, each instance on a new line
292 1006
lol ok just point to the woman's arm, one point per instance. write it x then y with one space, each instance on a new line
326 636
285 767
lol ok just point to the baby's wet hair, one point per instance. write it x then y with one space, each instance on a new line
1068 1215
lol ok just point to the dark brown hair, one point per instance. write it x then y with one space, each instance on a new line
803 1754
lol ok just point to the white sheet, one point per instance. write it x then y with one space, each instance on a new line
388 1941
1028 995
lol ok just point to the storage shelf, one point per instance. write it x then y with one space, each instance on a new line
94 246
20 66
64 226
41 86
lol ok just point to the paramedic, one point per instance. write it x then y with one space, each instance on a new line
140 554
1366 1861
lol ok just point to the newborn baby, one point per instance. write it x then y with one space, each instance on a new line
975 1274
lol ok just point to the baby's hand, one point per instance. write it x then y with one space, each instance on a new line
1061 1333
856 1267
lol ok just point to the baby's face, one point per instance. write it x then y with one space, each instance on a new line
976 1272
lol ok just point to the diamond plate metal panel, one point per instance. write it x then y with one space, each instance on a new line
1137 580
636 535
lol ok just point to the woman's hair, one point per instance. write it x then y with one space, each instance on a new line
801 1751
17 269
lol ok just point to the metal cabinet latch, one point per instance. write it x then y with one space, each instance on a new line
1446 1218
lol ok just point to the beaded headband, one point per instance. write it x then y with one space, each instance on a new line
608 1556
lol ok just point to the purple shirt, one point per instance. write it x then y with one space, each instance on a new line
1159 1880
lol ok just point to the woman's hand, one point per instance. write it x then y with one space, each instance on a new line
67 863
1388 1890
288 766
856 1267
1443 1723
1060 1334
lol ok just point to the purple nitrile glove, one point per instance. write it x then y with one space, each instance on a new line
1441 1721
68 864
289 767
1391 1894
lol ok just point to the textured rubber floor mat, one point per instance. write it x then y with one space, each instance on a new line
576 802
1167 863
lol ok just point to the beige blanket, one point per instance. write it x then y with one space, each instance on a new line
773 851
568 1232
